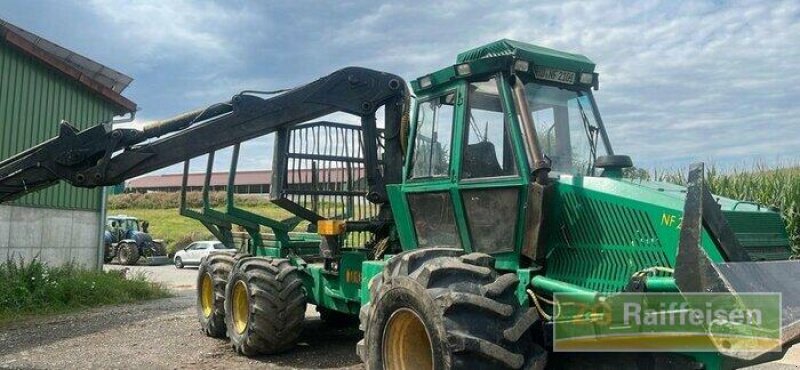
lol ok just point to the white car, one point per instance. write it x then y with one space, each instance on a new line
195 253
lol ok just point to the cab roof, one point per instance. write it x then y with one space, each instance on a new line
122 217
500 55
532 53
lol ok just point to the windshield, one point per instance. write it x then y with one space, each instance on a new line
123 223
566 126
131 225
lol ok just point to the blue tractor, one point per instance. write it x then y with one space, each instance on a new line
127 239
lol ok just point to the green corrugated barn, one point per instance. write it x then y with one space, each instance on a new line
41 84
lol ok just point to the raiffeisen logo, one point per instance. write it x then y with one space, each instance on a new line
674 313
667 322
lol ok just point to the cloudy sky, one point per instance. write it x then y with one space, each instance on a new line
680 81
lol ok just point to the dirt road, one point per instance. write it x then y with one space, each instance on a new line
164 334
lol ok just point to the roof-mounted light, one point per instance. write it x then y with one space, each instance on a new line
463 69
587 78
521 65
425 82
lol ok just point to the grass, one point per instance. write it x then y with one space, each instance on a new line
34 288
161 200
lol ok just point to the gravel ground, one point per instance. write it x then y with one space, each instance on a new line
161 334
164 334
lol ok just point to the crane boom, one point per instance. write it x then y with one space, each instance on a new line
100 155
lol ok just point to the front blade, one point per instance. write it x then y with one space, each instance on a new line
696 272
770 277
158 260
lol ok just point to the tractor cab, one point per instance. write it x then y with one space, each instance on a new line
124 225
499 81
486 133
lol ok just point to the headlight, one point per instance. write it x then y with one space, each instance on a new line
587 78
522 65
425 82
463 69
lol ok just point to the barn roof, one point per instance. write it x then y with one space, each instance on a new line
101 79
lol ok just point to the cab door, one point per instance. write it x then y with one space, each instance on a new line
490 183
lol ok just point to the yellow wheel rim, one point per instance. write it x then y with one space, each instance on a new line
406 343
240 307
207 295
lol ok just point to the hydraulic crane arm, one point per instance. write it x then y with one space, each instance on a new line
100 156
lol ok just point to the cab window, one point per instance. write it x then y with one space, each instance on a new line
487 147
432 143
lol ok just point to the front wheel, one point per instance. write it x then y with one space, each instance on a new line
442 309
178 263
159 249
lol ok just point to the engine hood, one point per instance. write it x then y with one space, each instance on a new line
760 229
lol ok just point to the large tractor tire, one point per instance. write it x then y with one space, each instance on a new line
443 309
265 306
212 278
128 253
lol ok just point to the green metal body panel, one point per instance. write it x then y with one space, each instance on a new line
33 100
341 290
600 231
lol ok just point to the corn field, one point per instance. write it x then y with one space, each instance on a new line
779 188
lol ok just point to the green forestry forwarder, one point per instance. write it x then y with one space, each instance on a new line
449 231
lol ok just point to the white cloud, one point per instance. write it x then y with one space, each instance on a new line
175 30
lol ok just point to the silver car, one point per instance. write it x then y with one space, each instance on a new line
195 253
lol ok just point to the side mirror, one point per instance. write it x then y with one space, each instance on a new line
613 165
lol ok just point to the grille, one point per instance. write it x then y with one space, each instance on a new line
761 234
599 245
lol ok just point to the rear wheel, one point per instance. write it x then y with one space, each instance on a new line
128 253
212 278
442 309
265 306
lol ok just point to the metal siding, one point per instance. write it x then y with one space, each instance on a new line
33 100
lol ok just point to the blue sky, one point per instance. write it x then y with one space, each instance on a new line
680 81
